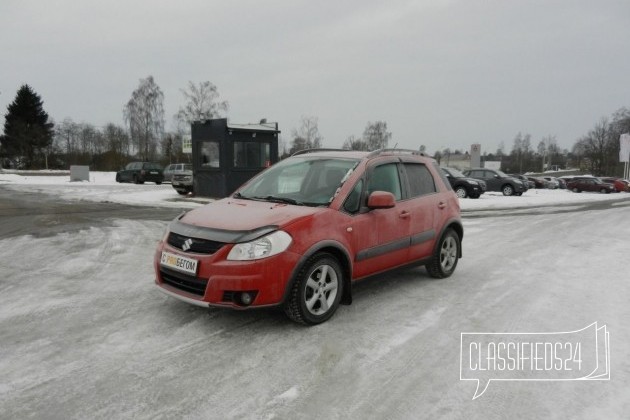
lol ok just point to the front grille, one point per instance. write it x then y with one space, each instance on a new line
200 246
183 282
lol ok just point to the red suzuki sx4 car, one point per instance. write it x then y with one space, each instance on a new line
299 234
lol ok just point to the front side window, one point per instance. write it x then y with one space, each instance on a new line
210 152
385 178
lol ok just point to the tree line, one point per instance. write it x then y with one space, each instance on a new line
31 139
596 152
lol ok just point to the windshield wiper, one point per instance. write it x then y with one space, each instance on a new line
278 199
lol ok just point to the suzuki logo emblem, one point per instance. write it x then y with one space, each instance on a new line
187 244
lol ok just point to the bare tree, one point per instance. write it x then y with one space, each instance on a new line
66 136
307 136
202 103
144 113
354 143
376 135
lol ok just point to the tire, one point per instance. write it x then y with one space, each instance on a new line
461 192
309 289
444 260
136 180
180 192
118 178
507 190
158 182
604 191
575 190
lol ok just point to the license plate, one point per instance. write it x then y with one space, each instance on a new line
177 262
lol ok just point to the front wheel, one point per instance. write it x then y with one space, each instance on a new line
507 190
461 192
316 291
604 191
118 178
446 255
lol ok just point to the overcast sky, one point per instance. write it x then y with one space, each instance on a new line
440 73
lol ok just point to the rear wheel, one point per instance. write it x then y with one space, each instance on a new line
316 291
158 182
118 178
507 190
604 191
575 190
136 180
446 255
461 192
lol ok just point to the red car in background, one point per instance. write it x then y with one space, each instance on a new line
621 185
579 184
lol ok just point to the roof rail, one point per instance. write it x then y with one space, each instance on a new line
400 151
305 151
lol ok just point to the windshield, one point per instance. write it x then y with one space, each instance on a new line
300 180
188 167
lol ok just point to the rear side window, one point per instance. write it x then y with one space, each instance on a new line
420 179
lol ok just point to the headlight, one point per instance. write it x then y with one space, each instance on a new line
263 247
473 182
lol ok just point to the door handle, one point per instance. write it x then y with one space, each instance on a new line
404 214
441 205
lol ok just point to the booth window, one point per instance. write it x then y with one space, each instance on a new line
210 154
249 154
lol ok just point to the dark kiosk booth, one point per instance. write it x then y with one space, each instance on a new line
225 155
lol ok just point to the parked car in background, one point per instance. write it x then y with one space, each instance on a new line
497 181
140 172
552 183
538 182
621 185
182 180
298 234
175 168
524 180
579 184
562 184
464 186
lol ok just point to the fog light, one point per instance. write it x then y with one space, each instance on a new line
246 298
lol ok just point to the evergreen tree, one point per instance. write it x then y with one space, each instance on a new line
27 130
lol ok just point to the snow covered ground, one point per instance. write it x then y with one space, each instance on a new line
85 334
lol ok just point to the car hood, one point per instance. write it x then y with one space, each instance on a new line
235 220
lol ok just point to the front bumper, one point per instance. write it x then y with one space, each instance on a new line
219 282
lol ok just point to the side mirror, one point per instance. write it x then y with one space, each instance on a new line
381 200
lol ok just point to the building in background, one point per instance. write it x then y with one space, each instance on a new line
225 155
